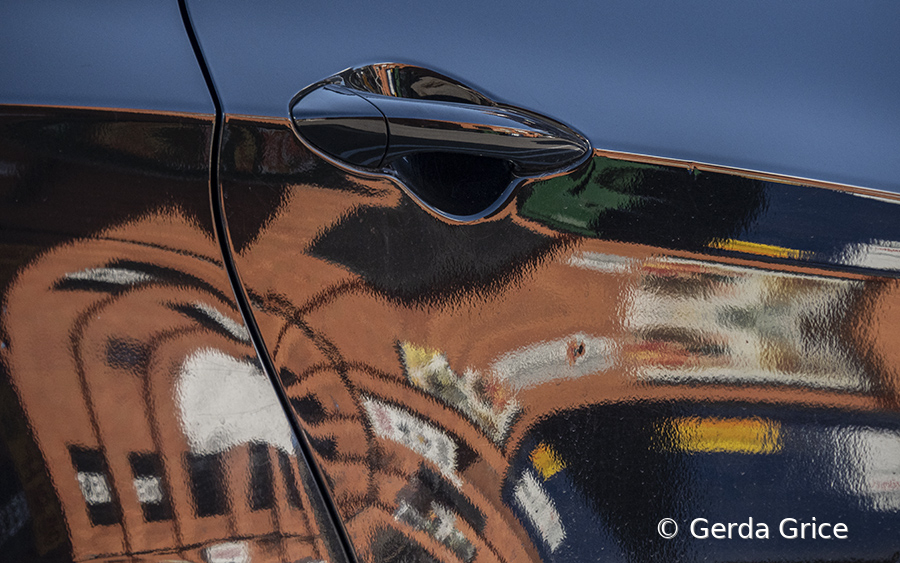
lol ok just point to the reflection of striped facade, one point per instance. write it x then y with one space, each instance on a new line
136 376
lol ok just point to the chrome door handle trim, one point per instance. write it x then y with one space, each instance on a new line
388 119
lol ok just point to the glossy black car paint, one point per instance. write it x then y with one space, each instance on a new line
113 287
582 348
651 281
350 278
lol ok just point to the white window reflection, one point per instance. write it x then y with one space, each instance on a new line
694 320
149 490
228 552
94 487
397 425
570 357
118 276
224 402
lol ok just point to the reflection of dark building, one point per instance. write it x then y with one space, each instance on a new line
419 259
650 204
631 464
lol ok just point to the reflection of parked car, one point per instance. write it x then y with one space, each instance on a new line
252 314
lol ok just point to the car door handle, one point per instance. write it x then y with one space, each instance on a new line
399 120
330 119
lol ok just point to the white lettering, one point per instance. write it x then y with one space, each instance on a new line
803 528
718 531
840 528
789 528
792 530
703 530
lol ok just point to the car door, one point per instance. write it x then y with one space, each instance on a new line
679 346
136 421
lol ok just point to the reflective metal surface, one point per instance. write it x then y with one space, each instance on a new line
627 343
136 419
455 150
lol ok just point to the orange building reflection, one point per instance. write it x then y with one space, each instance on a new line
417 375
159 430
417 400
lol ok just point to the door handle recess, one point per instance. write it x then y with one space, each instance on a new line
453 149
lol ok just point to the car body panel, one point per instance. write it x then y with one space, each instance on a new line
730 297
782 88
448 374
136 419
217 346
99 55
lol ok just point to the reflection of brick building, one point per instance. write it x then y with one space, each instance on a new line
418 384
158 429
430 397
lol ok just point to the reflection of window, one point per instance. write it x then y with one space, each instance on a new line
431 504
694 320
229 552
439 522
397 425
148 484
388 544
14 514
289 480
207 483
262 491
867 465
93 479
540 509
225 401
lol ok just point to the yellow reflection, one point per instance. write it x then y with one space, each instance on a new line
731 435
547 461
757 248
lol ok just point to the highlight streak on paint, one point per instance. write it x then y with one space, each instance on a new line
547 461
728 435
758 248
540 509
